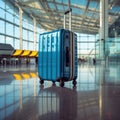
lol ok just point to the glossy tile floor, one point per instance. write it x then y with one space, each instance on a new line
95 97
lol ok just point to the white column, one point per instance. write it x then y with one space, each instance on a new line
35 89
21 95
70 20
20 28
103 26
34 20
64 22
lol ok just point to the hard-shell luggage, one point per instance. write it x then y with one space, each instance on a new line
57 56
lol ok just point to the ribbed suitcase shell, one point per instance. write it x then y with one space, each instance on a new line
51 55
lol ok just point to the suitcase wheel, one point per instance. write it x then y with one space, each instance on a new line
53 83
41 81
74 82
61 83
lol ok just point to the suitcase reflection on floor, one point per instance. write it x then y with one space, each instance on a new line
56 103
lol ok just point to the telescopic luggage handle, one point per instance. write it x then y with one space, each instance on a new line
70 14
71 43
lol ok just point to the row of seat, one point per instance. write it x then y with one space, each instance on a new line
9 55
6 50
24 53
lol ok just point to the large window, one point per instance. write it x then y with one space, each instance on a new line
17 44
9 40
2 13
2 4
2 26
31 36
31 46
25 45
17 33
2 39
9 17
25 35
9 27
86 45
17 20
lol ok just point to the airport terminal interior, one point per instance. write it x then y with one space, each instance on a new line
96 93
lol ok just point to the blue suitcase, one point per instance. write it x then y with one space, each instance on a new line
57 56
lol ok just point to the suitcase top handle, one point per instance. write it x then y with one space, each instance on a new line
70 14
67 11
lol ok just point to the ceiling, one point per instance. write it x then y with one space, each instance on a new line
85 13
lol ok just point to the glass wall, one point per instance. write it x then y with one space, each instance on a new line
86 46
9 23
9 32
112 49
110 46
